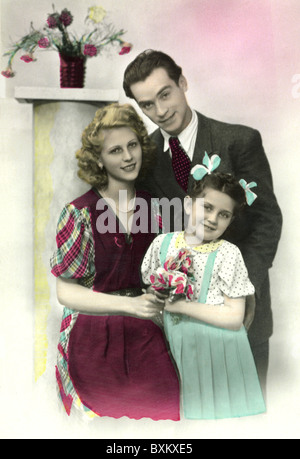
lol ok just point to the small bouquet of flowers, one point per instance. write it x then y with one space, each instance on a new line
175 277
55 35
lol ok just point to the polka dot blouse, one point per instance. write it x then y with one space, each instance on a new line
229 276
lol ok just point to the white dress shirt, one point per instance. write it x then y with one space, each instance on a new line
187 137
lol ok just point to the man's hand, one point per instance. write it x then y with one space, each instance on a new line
249 311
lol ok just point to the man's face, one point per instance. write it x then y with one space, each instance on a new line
163 101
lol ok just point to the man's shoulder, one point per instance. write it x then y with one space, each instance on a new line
157 136
225 127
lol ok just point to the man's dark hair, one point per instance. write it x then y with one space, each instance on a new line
144 64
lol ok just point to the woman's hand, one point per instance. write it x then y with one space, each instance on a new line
87 301
146 306
160 295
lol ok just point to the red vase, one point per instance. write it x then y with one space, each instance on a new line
72 71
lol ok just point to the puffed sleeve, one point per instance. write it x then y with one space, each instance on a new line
233 276
151 259
74 256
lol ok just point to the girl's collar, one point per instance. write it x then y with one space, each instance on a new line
202 248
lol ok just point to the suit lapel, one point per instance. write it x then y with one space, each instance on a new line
203 143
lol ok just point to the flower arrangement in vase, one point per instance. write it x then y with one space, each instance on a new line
73 50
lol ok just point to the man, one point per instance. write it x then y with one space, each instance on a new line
158 86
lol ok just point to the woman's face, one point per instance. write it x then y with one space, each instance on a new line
210 214
121 155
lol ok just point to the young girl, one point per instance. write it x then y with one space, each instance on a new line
207 338
112 359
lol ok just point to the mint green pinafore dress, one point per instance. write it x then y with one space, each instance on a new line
216 365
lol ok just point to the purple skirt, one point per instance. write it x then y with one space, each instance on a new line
120 366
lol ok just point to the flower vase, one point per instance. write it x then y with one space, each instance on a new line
72 71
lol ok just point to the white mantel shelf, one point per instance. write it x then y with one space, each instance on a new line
28 94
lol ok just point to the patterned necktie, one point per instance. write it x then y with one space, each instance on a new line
181 163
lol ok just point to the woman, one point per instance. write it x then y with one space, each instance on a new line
113 360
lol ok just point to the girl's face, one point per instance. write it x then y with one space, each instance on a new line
210 214
121 155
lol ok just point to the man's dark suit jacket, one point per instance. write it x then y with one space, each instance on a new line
257 231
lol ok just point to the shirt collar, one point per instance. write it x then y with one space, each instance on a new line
186 136
205 247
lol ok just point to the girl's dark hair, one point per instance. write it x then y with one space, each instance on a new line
109 117
144 64
225 183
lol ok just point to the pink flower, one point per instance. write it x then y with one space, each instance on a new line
170 280
90 50
179 279
159 221
126 48
157 289
66 17
190 292
161 279
52 21
27 58
8 73
172 264
44 42
186 265
184 269
179 289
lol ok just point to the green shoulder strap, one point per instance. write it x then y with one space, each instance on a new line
164 247
207 276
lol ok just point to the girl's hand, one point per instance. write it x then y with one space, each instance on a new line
229 314
176 307
145 306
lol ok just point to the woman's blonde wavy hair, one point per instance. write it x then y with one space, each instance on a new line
108 117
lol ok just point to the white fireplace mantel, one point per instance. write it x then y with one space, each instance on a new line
28 94
56 121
